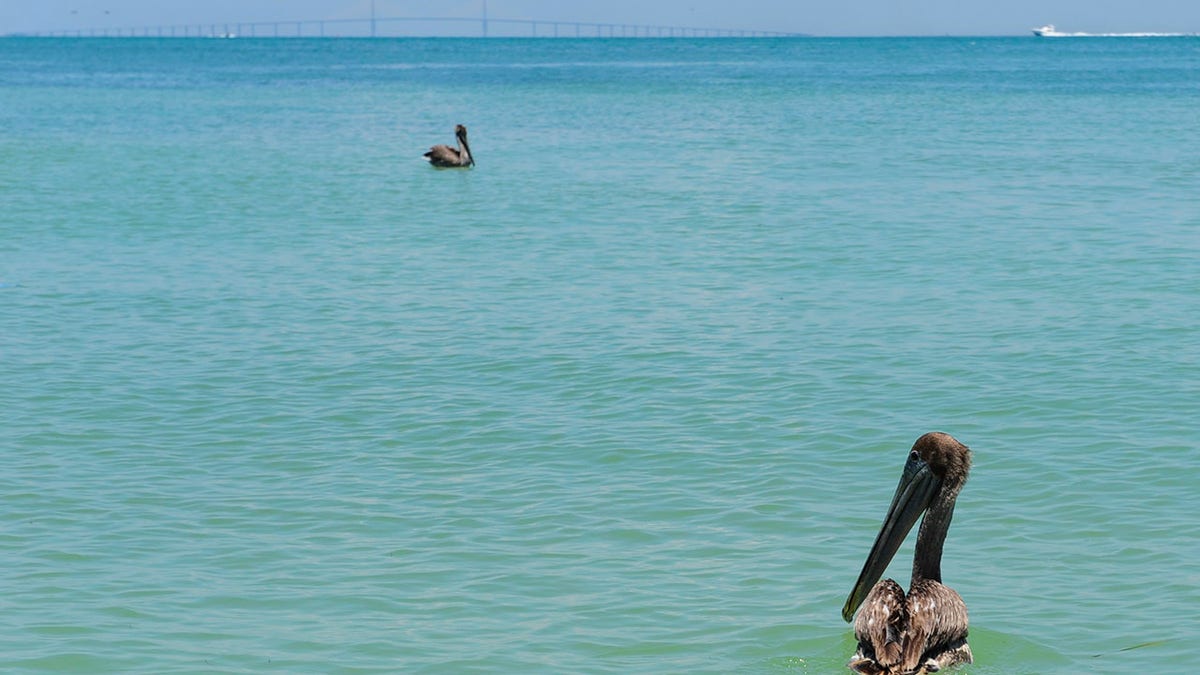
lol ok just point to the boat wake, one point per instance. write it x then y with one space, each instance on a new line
1050 31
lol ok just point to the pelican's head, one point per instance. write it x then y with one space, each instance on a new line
936 465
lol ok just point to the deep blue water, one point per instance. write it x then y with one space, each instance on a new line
632 395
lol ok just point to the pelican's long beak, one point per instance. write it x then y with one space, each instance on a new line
467 147
913 494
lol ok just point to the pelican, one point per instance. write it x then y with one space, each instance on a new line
926 630
446 156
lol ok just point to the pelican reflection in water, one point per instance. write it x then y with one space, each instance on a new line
925 630
446 156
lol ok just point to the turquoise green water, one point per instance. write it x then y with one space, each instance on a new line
633 394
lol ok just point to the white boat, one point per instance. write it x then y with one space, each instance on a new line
1050 31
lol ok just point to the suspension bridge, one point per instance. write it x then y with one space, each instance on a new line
409 26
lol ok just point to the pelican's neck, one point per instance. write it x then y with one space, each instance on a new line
464 155
927 558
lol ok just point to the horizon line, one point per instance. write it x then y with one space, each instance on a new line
370 24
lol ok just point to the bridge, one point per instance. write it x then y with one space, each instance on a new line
412 26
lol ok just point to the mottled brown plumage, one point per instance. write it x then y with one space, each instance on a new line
447 157
925 630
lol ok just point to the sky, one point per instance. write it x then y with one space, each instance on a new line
816 17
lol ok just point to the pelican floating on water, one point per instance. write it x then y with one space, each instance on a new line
446 156
926 630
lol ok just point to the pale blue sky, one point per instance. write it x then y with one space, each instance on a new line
818 17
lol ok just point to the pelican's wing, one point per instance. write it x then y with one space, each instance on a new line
443 154
880 628
937 619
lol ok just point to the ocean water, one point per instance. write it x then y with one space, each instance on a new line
630 396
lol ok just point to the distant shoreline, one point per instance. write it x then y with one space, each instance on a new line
100 34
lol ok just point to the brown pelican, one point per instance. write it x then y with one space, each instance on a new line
926 630
446 156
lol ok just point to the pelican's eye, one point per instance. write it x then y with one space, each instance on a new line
914 456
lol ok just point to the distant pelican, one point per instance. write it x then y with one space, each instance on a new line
927 630
446 156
